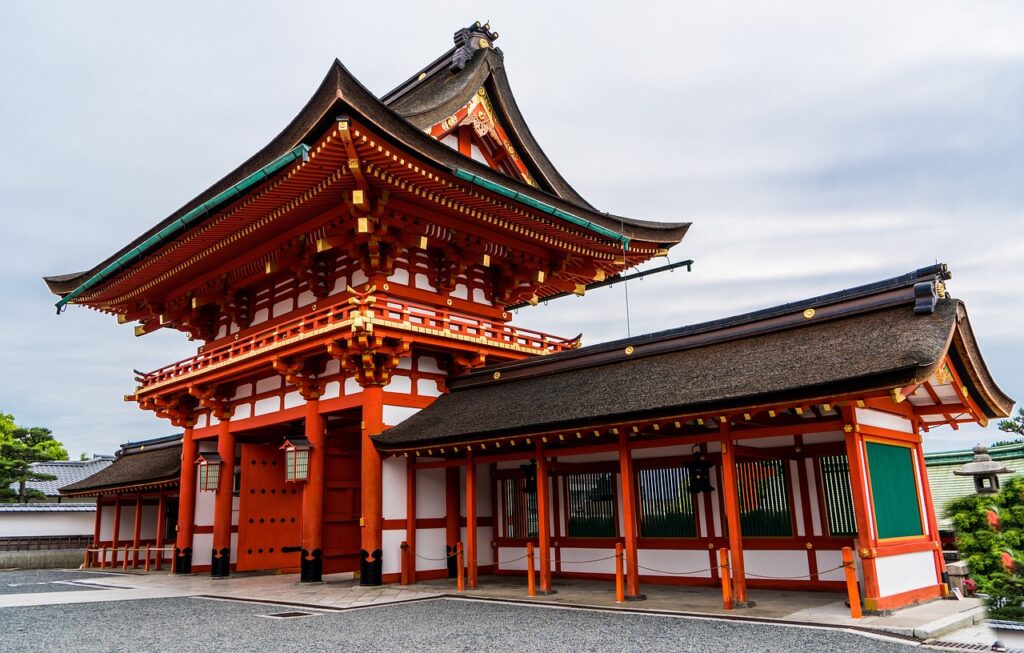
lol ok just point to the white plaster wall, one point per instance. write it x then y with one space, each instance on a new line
293 399
394 483
690 563
107 523
428 365
430 543
202 545
576 560
902 573
127 532
204 508
884 420
394 415
267 384
506 556
776 564
38 524
268 405
430 493
149 518
391 549
484 550
828 560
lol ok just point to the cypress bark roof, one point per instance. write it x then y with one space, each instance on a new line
341 93
865 339
149 463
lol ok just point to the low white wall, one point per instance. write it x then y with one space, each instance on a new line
46 524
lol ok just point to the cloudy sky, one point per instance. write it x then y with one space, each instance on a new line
814 146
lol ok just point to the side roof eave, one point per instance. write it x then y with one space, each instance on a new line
966 356
341 91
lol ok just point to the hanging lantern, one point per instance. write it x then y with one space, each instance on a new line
296 459
530 476
700 472
209 471
984 470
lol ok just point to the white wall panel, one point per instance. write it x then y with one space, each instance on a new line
829 560
884 420
692 563
430 493
391 550
776 564
430 543
902 573
394 482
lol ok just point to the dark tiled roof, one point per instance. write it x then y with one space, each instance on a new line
856 342
66 471
341 93
139 466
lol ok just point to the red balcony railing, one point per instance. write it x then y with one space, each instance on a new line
384 312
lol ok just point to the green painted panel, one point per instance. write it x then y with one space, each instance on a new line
894 491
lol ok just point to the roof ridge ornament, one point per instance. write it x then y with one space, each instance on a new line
468 40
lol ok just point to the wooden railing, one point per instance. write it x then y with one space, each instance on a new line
383 311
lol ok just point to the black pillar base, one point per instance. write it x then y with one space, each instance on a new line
312 566
370 571
183 560
453 561
220 564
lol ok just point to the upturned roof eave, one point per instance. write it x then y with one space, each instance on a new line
341 91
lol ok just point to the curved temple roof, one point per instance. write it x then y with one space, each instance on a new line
891 334
402 115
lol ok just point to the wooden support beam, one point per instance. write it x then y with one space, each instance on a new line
731 499
186 504
311 568
220 566
471 534
629 519
543 520
137 531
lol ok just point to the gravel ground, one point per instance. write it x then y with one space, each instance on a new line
193 624
30 581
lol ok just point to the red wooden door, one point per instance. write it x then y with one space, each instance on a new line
269 512
342 503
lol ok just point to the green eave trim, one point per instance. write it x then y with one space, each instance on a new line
182 223
541 206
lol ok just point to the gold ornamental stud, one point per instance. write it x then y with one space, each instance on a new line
497 375
809 313
629 350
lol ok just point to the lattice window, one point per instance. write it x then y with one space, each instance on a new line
591 499
764 498
667 508
838 497
519 509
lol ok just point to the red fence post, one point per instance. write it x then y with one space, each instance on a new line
620 594
531 584
851 582
461 577
723 565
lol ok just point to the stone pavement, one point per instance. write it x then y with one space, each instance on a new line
337 590
341 591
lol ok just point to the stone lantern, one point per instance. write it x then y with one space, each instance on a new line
984 470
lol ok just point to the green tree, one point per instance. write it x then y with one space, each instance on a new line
1013 425
19 448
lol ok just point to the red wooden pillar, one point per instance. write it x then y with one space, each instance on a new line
117 529
410 518
137 531
453 516
220 566
370 567
543 521
629 518
730 495
312 565
929 508
186 505
161 507
96 528
861 504
471 534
